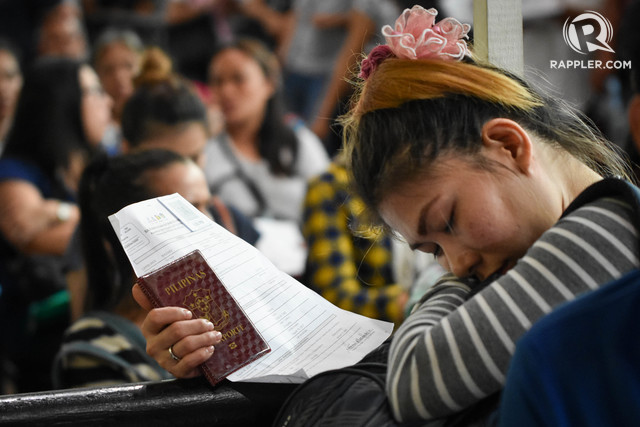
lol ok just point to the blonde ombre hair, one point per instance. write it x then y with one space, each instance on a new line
398 81
408 112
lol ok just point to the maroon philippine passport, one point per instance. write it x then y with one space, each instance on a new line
190 282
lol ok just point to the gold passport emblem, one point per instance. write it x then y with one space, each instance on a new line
202 304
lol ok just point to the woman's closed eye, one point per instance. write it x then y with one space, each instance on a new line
448 226
448 229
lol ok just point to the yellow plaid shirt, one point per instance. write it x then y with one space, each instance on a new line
352 272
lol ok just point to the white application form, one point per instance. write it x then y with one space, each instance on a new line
306 333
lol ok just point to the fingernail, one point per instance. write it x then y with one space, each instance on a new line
209 349
186 313
217 335
208 324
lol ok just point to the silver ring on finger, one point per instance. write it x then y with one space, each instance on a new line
173 355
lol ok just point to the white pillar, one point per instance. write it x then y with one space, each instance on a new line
497 33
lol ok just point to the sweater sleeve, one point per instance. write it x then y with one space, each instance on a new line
452 352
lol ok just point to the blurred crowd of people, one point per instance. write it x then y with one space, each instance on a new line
231 103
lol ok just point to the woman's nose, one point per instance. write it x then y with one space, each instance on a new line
225 89
463 262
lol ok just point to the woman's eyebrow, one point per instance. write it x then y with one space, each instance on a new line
422 217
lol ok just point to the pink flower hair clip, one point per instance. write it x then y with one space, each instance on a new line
416 36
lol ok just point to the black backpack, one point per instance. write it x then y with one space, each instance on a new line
355 396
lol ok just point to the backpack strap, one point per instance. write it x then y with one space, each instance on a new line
130 331
239 172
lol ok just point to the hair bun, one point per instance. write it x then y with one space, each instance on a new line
156 67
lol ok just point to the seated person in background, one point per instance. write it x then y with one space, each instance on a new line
466 161
353 267
164 111
61 32
105 346
263 159
10 85
116 58
60 118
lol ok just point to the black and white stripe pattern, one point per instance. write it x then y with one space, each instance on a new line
95 353
451 353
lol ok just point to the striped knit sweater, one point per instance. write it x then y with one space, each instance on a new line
452 352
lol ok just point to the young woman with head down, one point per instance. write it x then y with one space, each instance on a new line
466 161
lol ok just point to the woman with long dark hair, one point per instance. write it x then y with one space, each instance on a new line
263 159
60 118
105 345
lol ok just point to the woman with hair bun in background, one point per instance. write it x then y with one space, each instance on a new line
165 111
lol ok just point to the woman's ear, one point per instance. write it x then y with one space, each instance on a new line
507 142
272 87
